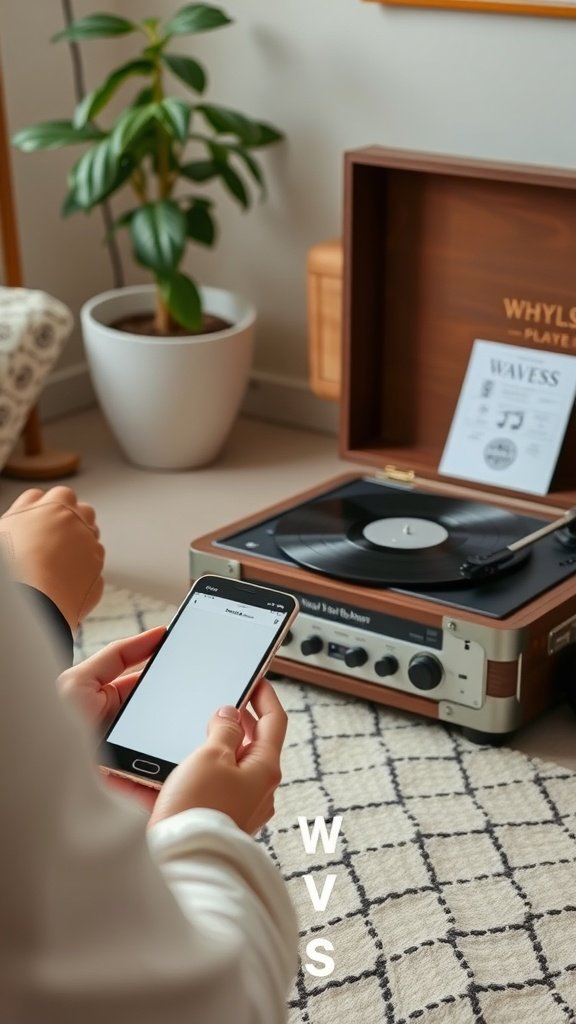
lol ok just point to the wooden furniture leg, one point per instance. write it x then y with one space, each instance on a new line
34 462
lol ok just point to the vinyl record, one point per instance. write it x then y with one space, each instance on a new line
394 538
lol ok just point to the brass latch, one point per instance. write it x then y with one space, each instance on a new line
404 476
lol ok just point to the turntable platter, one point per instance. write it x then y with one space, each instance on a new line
394 539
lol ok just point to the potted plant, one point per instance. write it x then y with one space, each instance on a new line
170 360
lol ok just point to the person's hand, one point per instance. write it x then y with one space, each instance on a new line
100 685
51 542
237 770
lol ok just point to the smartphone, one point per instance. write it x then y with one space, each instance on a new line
216 648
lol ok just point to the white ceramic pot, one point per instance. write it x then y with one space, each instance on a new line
170 402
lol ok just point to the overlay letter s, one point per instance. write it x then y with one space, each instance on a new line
312 950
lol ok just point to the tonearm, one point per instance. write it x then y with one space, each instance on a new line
479 567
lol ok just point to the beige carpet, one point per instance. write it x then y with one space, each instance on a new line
455 893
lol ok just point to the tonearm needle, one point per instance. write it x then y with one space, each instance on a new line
478 567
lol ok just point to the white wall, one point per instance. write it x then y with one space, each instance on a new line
333 74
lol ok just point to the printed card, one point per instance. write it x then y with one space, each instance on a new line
511 417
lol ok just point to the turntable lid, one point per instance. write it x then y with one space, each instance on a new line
438 252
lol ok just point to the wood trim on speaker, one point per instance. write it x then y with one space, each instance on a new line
502 678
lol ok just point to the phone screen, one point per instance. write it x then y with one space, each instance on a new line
212 652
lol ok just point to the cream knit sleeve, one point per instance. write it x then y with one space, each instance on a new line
99 922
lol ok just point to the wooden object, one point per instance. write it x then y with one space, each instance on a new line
44 464
536 8
34 462
533 621
324 279
439 252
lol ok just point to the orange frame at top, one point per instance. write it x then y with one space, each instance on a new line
540 8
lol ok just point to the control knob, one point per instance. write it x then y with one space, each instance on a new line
311 645
425 672
386 666
288 638
355 657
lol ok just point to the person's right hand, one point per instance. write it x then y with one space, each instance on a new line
225 775
50 541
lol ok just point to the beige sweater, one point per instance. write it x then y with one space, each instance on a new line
100 922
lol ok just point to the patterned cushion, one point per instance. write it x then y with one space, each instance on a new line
33 329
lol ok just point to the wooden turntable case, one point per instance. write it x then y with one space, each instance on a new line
439 252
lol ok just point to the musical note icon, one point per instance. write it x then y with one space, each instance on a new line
512 418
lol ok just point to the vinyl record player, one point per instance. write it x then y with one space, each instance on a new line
450 600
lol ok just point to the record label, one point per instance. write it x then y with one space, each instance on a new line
405 533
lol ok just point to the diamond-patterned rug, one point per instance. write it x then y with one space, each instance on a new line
454 898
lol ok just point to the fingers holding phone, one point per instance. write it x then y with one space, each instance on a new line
237 780
214 653
269 728
100 685
217 647
258 758
262 754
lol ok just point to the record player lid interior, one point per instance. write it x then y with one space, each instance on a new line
439 252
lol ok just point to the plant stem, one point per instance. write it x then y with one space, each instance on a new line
106 210
164 184
138 182
162 318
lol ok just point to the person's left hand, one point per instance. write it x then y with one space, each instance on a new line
100 685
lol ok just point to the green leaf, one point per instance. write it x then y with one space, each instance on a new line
174 116
200 170
159 235
96 100
221 153
251 134
95 26
200 224
230 122
250 163
144 97
235 185
207 170
196 18
187 70
153 51
131 124
70 205
183 300
53 135
268 135
98 173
